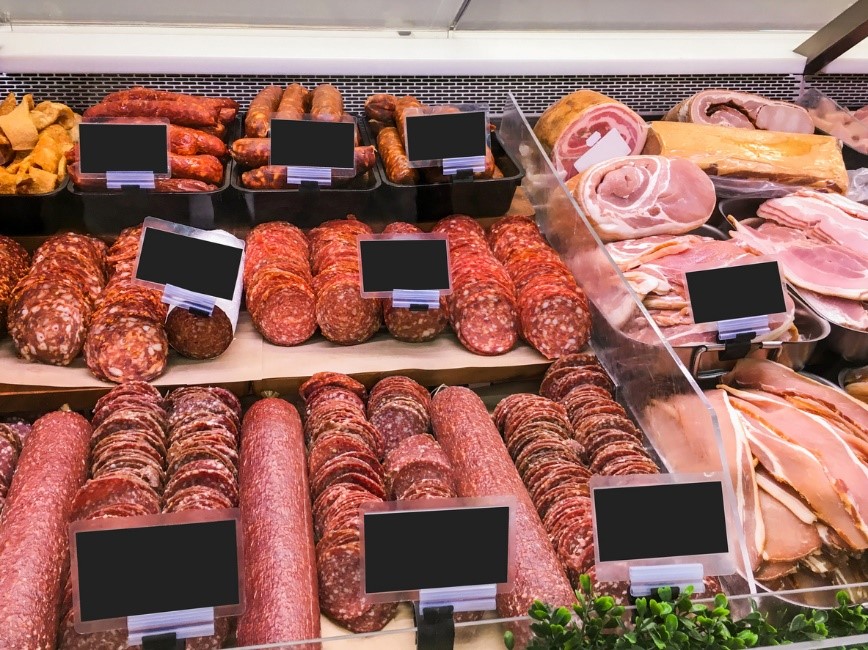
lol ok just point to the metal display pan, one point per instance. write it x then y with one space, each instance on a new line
850 344
309 207
475 198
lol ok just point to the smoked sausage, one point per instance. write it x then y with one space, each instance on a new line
280 577
294 103
207 169
258 120
183 113
185 141
327 104
381 107
395 160
483 467
34 548
273 177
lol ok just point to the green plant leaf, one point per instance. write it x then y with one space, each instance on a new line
509 640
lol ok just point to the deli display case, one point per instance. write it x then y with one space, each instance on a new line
560 358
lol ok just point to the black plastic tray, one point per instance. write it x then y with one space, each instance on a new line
107 212
33 214
309 207
475 198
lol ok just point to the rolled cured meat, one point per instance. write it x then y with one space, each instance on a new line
571 126
639 196
743 111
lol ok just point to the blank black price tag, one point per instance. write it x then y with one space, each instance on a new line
147 565
193 264
409 550
110 147
736 292
306 143
414 262
629 526
447 135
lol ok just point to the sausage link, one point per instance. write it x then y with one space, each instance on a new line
218 130
251 152
483 468
395 160
294 103
401 107
34 549
140 92
185 141
207 169
327 104
280 578
273 177
258 119
381 107
160 184
185 114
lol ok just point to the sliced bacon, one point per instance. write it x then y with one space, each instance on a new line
640 196
743 111
793 539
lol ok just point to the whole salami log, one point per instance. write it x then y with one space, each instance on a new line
258 119
198 336
280 579
33 530
483 467
294 103
395 159
327 104
183 113
205 168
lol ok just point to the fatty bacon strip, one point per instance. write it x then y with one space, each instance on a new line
822 244
797 455
655 267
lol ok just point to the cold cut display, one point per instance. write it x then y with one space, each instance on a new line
483 467
278 283
553 311
34 546
127 338
50 308
280 566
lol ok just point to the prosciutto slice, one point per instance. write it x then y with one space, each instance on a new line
573 124
829 269
793 538
743 111
640 196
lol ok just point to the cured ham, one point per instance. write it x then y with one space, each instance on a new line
655 268
771 377
724 153
829 269
743 111
820 219
639 196
572 125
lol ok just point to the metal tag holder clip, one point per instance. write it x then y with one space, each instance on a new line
737 335
168 630
435 622
320 176
455 166
647 580
119 180
198 303
416 300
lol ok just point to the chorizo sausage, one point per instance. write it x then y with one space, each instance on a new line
252 152
273 177
258 120
280 579
294 103
395 160
483 467
160 184
402 105
185 141
140 92
327 104
185 114
381 107
207 169
34 550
